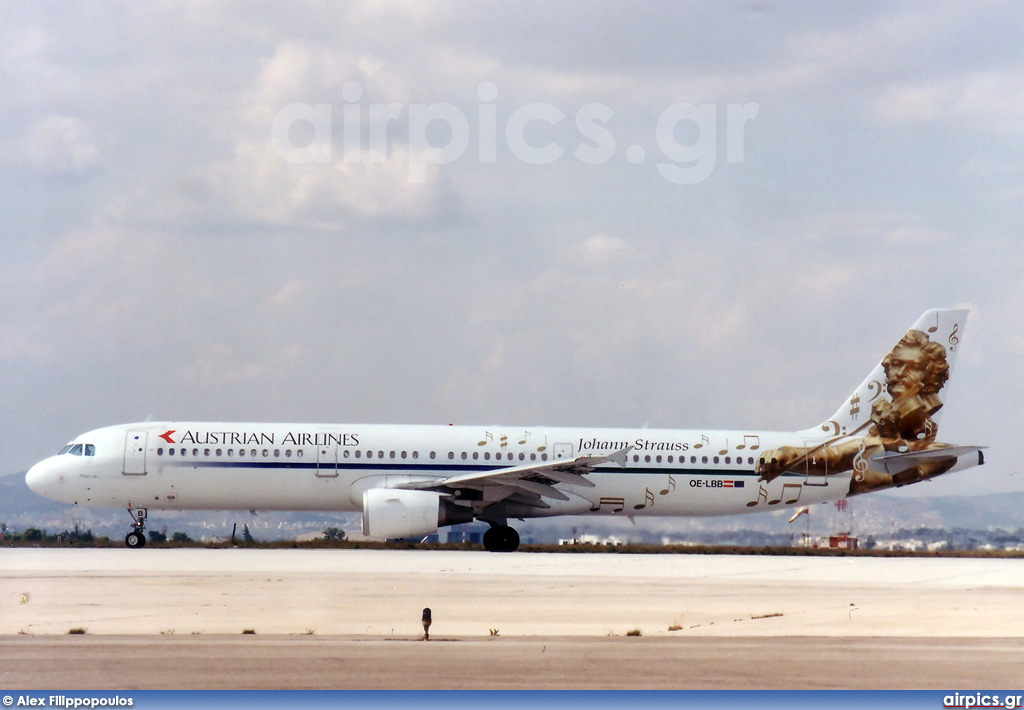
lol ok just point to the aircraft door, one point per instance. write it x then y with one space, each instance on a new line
135 453
816 455
562 451
327 461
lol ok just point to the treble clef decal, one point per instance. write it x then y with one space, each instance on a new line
953 340
860 464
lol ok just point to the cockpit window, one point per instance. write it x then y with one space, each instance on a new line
78 450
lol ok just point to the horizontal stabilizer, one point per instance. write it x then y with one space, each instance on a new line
892 462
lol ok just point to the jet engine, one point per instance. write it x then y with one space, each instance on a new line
392 512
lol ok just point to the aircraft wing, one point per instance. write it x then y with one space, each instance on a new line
893 463
528 484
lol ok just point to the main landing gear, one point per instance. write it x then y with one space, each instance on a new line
501 538
137 537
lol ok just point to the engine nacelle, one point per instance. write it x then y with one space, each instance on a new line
392 512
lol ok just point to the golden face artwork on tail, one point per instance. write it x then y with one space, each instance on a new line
915 372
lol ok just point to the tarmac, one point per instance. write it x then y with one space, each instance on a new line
243 618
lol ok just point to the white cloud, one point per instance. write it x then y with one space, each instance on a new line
62 145
202 274
991 101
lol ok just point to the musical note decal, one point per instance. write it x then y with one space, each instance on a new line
953 340
929 429
703 440
671 486
860 463
504 441
724 451
617 504
544 446
792 498
526 435
750 437
831 423
876 388
935 327
648 500
854 405
762 495
488 436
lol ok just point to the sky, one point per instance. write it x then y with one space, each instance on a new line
678 215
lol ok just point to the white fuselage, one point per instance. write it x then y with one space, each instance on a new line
191 465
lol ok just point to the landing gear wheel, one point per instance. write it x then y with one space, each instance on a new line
137 537
501 538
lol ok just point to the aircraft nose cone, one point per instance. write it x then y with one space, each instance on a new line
41 478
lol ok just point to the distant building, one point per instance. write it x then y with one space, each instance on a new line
842 541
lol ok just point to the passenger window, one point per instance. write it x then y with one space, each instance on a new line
170 452
206 452
218 452
160 452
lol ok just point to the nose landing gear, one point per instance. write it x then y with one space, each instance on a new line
137 537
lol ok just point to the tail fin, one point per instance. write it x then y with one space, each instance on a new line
902 397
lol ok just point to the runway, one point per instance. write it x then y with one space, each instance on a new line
174 618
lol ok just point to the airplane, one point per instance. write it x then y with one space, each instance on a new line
410 480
